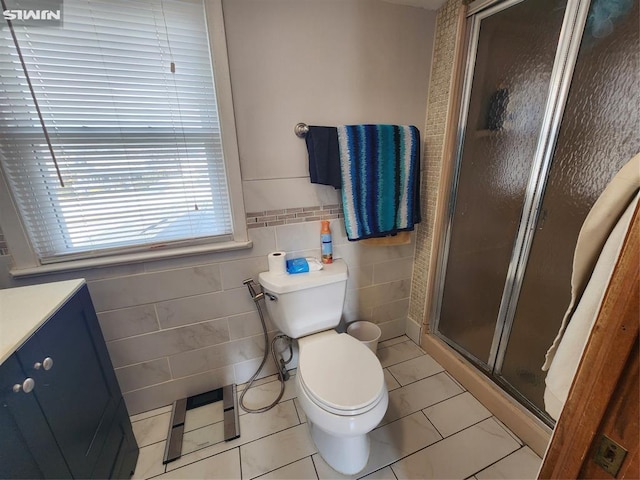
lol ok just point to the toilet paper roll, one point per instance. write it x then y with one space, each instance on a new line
277 262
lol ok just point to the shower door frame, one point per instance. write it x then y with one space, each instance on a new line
569 41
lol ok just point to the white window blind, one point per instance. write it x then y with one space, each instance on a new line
125 91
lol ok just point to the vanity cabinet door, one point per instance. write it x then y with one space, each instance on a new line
27 446
121 445
79 393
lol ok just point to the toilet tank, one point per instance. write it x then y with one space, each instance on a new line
304 303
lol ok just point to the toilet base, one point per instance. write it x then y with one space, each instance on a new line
346 455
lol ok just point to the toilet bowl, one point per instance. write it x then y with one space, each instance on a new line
340 386
340 382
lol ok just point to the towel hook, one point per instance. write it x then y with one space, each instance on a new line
301 129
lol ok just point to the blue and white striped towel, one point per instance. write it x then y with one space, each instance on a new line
380 169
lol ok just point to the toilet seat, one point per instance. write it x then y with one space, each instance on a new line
339 374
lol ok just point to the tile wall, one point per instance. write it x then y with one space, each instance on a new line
178 331
182 326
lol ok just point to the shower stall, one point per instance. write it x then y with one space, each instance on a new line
549 113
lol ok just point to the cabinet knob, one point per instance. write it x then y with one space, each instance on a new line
27 386
47 364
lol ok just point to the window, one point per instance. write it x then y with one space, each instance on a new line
111 138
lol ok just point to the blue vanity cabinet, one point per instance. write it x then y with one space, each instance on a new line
73 422
23 452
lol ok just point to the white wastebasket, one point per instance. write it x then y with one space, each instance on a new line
367 332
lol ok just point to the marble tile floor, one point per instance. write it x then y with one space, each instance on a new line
433 429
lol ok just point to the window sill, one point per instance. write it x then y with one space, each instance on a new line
128 258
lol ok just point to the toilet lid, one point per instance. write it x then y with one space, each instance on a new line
341 374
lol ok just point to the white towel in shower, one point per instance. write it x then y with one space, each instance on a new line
599 244
569 351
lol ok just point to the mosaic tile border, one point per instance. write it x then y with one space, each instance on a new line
284 216
4 249
434 134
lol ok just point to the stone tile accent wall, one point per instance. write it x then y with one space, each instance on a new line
273 218
3 245
437 111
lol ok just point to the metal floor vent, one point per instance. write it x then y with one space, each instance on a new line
229 397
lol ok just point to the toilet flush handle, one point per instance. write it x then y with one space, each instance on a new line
271 296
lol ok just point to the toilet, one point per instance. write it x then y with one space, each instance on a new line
339 383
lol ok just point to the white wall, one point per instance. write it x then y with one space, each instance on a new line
328 62
182 326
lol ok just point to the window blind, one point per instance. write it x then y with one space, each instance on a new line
126 93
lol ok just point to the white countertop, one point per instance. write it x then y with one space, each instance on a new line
24 309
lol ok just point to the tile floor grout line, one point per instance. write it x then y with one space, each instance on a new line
296 409
419 410
243 386
400 362
424 448
499 460
393 338
446 399
399 343
150 416
240 390
468 427
204 426
246 413
377 470
314 465
393 473
404 343
431 423
420 379
221 442
282 466
231 448
203 458
271 434
156 475
408 455
441 440
150 444
506 429
393 376
456 381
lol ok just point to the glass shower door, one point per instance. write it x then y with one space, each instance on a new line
550 117
598 135
514 58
